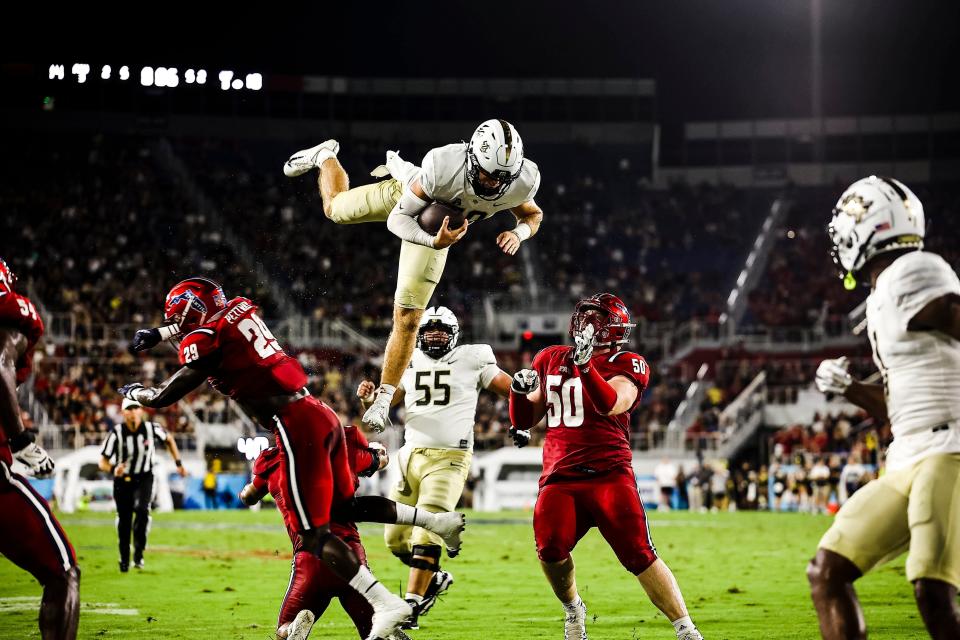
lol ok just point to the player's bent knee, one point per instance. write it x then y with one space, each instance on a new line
828 567
553 554
638 562
934 595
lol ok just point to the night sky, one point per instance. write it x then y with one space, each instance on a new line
712 59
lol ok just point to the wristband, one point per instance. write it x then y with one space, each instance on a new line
168 331
523 231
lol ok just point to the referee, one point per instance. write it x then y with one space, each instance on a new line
128 454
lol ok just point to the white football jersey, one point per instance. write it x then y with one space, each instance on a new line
921 369
443 177
441 395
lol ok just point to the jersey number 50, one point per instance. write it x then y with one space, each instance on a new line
564 402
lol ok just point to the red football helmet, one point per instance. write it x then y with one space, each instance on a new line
7 278
192 302
609 317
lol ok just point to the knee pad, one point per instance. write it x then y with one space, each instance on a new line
426 551
405 558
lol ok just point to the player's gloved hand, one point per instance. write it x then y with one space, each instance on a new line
833 377
521 437
144 339
380 452
525 381
583 345
129 390
31 454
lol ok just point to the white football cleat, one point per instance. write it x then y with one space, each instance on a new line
690 634
575 623
377 415
300 628
449 527
388 615
306 159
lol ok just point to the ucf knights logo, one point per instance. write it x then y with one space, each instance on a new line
855 206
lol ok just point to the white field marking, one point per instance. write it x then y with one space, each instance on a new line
31 603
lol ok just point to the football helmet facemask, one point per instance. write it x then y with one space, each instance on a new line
608 315
444 330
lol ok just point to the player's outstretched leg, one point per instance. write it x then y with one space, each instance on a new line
308 159
389 610
562 578
831 579
403 339
448 524
664 592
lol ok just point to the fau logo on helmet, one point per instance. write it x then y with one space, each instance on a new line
192 302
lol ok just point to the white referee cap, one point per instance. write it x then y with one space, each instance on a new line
130 404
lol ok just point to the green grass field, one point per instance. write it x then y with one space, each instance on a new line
223 574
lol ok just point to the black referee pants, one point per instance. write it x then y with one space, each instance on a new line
132 495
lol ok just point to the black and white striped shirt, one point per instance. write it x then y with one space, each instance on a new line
134 448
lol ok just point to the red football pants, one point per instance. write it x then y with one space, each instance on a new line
312 586
30 535
567 509
317 469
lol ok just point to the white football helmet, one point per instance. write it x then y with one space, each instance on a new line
496 149
874 215
438 319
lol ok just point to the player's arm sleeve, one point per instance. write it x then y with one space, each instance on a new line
402 221
925 278
524 414
10 420
172 389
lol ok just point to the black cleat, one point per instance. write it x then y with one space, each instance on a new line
124 567
412 622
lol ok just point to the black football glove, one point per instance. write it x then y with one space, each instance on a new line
144 339
521 437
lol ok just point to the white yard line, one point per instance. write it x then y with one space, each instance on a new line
31 603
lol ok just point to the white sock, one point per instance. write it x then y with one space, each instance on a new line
416 597
683 624
369 587
417 517
574 604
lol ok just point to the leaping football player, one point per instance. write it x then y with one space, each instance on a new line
228 343
440 390
913 322
587 393
30 535
483 177
312 585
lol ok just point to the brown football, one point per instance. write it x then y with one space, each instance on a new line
432 217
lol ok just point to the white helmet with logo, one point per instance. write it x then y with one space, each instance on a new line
496 149
874 215
438 319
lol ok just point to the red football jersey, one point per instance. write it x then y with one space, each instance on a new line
17 312
247 361
580 441
270 462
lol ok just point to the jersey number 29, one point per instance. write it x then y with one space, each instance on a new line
564 402
257 332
